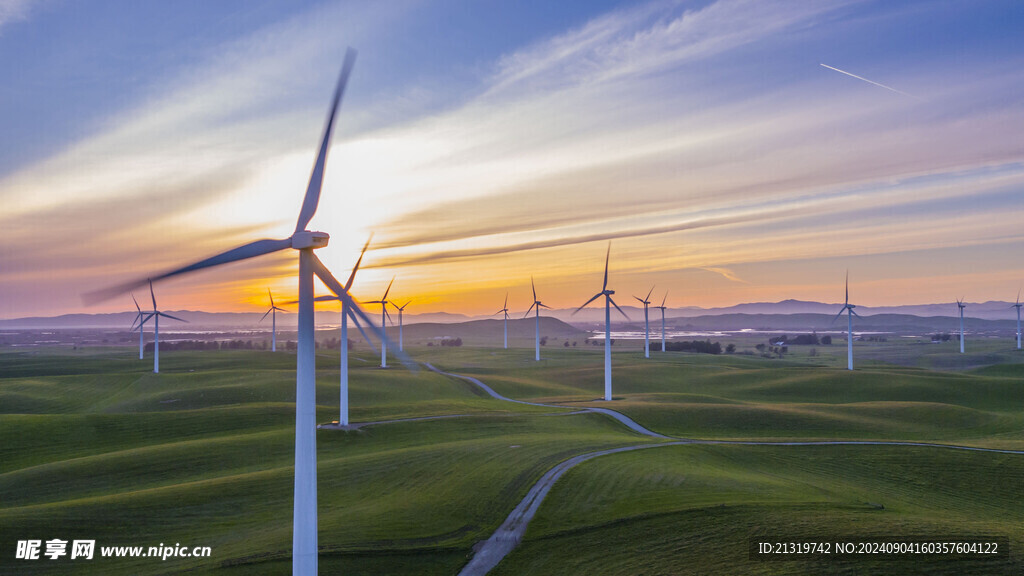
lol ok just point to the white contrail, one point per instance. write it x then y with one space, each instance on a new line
870 81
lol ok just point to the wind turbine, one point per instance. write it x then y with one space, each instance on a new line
345 313
647 325
505 310
141 318
662 308
155 315
536 304
607 325
273 321
304 534
960 304
400 309
1017 306
848 308
384 316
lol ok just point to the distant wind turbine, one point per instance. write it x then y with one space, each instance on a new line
504 310
384 316
141 318
538 305
346 312
607 325
155 315
1017 306
304 510
273 321
848 308
647 325
400 309
960 304
662 308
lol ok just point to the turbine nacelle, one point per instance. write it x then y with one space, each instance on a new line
307 239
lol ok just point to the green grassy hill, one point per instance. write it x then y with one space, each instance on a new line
93 445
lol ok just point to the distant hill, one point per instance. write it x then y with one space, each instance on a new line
488 331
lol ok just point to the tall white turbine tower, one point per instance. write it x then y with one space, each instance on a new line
538 305
504 310
346 312
646 301
960 304
848 308
607 325
1017 306
384 316
273 321
155 315
304 535
400 309
141 318
662 308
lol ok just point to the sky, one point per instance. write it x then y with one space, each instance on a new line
717 144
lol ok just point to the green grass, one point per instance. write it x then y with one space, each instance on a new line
93 445
695 509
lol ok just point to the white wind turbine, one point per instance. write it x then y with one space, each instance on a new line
141 317
383 317
538 305
304 534
273 321
155 315
607 325
1017 306
343 364
960 304
662 308
400 309
647 325
848 308
505 311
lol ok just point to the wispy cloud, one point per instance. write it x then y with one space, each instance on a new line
14 11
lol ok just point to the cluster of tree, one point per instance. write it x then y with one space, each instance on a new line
448 342
543 340
335 344
600 342
771 351
699 346
943 337
801 340
874 339
567 344
209 345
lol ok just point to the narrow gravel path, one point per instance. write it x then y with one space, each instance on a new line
507 537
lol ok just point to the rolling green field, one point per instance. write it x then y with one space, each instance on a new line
95 446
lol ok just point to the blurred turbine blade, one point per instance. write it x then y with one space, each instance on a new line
316 179
530 309
664 299
352 276
838 315
171 317
505 307
355 320
534 287
140 309
382 300
606 257
333 285
596 296
271 298
267 314
250 250
619 309
153 296
649 294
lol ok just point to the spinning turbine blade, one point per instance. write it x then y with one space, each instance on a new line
153 296
619 309
265 316
606 257
171 317
847 301
333 285
271 298
649 294
140 309
316 179
250 250
530 309
355 320
596 296
534 287
838 315
352 276
382 300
